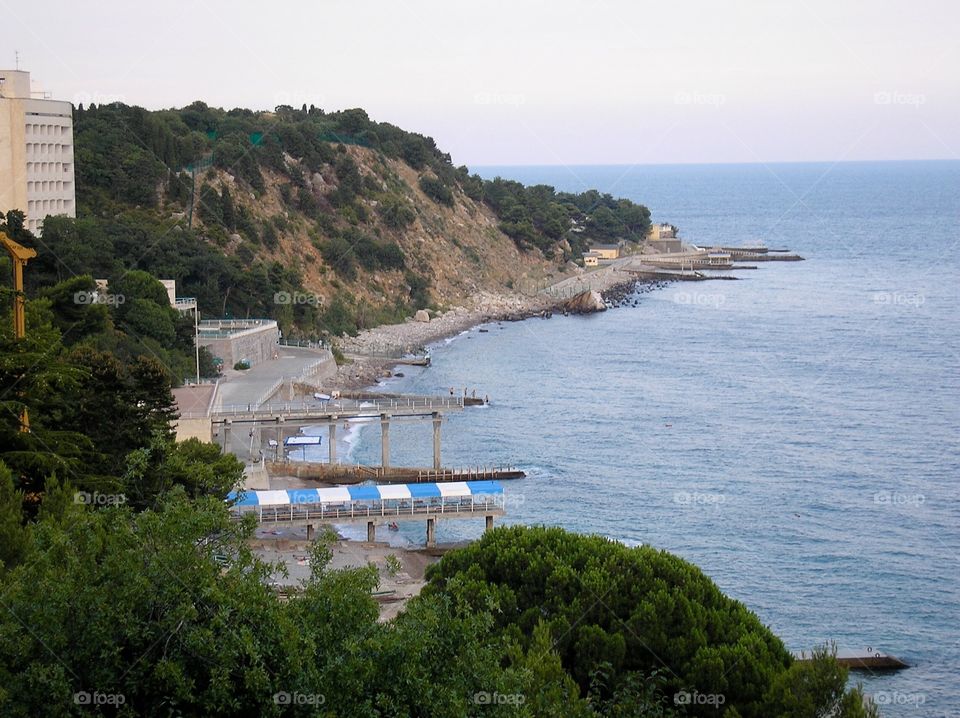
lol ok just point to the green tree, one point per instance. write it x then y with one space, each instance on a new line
14 538
198 468
626 613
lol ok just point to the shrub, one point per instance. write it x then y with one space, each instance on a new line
396 213
436 190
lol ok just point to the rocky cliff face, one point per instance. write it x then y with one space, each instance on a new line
458 249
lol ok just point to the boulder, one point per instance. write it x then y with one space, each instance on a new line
586 302
421 316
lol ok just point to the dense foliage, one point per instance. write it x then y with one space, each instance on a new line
623 617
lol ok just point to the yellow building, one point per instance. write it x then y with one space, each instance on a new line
36 152
662 231
590 259
605 251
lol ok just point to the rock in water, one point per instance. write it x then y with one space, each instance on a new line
585 303
421 316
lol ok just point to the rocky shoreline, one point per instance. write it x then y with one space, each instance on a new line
374 352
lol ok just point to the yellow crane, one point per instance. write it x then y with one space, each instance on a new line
20 256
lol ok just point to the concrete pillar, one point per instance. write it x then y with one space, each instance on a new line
226 436
385 440
333 440
431 533
371 532
489 523
437 418
309 532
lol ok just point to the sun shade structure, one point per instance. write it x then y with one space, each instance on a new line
302 441
387 492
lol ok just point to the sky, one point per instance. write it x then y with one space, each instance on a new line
556 82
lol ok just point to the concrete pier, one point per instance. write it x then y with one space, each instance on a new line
437 419
371 532
489 523
332 445
432 533
385 440
861 660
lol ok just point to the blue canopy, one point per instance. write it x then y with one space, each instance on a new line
347 494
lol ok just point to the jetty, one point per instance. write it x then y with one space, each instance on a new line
350 474
867 659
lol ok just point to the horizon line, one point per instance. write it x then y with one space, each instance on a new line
560 165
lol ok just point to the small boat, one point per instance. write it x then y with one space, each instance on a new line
393 526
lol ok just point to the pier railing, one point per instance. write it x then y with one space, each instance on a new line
404 405
326 512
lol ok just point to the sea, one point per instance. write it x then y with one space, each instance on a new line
793 433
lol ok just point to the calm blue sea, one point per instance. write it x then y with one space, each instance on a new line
793 433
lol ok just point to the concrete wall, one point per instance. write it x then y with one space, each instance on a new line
256 345
194 429
666 245
13 163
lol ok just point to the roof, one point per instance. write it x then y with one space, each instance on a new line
605 246
346 494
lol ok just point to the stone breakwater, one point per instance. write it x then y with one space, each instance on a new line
625 294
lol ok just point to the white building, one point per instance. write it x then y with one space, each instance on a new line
36 152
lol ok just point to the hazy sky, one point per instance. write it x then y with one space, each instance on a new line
530 82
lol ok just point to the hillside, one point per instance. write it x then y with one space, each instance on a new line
328 222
